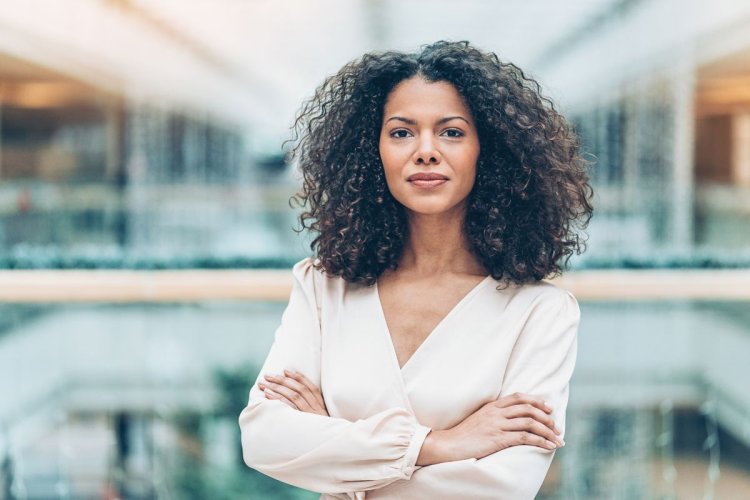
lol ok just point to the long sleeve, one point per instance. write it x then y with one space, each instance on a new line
315 452
540 364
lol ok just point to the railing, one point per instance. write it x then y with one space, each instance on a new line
121 286
641 371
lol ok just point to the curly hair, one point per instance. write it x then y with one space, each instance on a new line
531 183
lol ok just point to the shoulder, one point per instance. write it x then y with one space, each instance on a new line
556 303
304 269
547 316
309 269
308 273
548 291
543 297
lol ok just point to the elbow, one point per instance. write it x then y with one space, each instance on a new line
265 435
530 488
251 439
248 455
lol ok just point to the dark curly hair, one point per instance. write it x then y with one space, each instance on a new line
531 182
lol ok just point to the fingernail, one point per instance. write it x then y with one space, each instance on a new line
289 372
561 441
557 431
550 444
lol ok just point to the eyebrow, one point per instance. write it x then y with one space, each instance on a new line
439 122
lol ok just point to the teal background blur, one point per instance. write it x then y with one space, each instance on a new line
147 134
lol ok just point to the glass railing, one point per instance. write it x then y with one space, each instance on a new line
136 398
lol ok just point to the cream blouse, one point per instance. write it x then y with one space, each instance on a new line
491 344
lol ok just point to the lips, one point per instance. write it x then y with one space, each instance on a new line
427 180
427 176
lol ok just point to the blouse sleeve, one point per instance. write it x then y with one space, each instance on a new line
541 364
316 452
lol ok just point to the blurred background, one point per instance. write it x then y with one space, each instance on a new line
146 237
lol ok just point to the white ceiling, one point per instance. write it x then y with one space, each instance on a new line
254 61
288 47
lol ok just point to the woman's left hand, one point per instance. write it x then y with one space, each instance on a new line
295 390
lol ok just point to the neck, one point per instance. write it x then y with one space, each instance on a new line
436 245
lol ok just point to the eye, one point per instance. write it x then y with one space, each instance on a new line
398 131
457 132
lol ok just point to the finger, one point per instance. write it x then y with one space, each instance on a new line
521 398
301 390
530 425
306 382
527 438
527 410
270 394
288 382
308 402
290 394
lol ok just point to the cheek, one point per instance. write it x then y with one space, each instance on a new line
466 169
391 165
393 182
471 169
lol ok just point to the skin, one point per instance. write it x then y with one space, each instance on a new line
427 127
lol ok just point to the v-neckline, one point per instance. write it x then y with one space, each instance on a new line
465 299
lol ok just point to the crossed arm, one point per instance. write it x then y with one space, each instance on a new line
287 433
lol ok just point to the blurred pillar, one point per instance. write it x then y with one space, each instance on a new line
630 184
740 158
6 478
683 88
1 131
376 24
114 130
122 425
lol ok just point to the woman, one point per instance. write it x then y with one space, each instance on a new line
421 355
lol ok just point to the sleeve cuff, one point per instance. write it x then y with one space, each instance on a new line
412 453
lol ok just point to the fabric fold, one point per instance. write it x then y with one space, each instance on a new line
541 364
320 453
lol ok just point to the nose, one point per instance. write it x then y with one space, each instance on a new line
426 152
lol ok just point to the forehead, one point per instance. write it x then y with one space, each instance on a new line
417 97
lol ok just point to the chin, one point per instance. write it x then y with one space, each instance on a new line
430 208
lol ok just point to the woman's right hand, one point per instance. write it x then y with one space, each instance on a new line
508 421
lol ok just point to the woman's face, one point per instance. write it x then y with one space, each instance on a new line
428 129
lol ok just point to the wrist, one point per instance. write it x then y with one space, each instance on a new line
434 449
